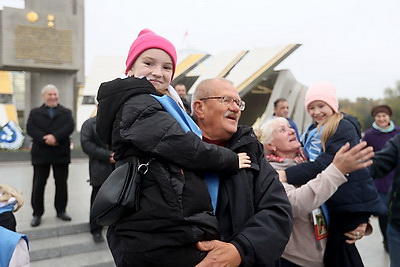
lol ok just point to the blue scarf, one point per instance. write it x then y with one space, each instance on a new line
180 115
9 207
312 149
187 125
387 130
8 242
312 145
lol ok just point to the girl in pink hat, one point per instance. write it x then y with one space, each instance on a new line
138 119
355 201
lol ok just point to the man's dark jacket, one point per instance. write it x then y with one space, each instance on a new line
386 160
253 210
61 126
175 206
98 152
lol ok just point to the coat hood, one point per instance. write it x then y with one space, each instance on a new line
111 97
355 122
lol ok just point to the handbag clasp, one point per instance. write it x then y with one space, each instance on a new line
144 167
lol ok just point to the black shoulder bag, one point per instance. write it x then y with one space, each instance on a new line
119 195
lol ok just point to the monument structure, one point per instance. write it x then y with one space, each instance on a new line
46 41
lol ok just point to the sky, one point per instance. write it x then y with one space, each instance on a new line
353 44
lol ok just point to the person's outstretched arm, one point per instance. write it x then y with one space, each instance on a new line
386 159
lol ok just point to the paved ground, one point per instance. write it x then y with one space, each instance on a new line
19 175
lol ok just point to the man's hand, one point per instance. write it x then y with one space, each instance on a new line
244 160
219 254
358 157
50 140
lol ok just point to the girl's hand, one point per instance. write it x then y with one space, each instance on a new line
244 160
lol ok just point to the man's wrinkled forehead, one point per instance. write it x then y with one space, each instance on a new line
224 87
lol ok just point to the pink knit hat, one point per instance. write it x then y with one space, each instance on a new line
147 39
322 92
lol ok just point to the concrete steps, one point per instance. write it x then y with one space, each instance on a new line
87 259
67 245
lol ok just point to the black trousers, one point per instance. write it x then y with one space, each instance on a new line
40 174
94 227
168 256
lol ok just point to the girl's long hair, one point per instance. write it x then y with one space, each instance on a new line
331 125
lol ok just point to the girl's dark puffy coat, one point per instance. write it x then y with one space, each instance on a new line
175 207
359 193
61 126
352 204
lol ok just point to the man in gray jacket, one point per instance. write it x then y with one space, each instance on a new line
253 211
101 161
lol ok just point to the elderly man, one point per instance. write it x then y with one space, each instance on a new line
253 211
50 127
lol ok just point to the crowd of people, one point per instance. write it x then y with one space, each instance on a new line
218 193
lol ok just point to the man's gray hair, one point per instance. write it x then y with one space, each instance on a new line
49 87
203 89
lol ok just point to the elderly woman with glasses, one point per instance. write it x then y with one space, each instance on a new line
308 240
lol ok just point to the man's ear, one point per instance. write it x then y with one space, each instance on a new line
198 109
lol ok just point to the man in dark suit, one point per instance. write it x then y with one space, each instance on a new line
101 161
50 127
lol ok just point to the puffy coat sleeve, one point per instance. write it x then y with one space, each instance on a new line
317 191
386 159
302 173
147 126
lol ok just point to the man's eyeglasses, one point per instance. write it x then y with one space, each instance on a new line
227 100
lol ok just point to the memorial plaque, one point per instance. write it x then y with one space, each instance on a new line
43 45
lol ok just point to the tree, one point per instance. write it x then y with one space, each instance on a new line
361 109
392 99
